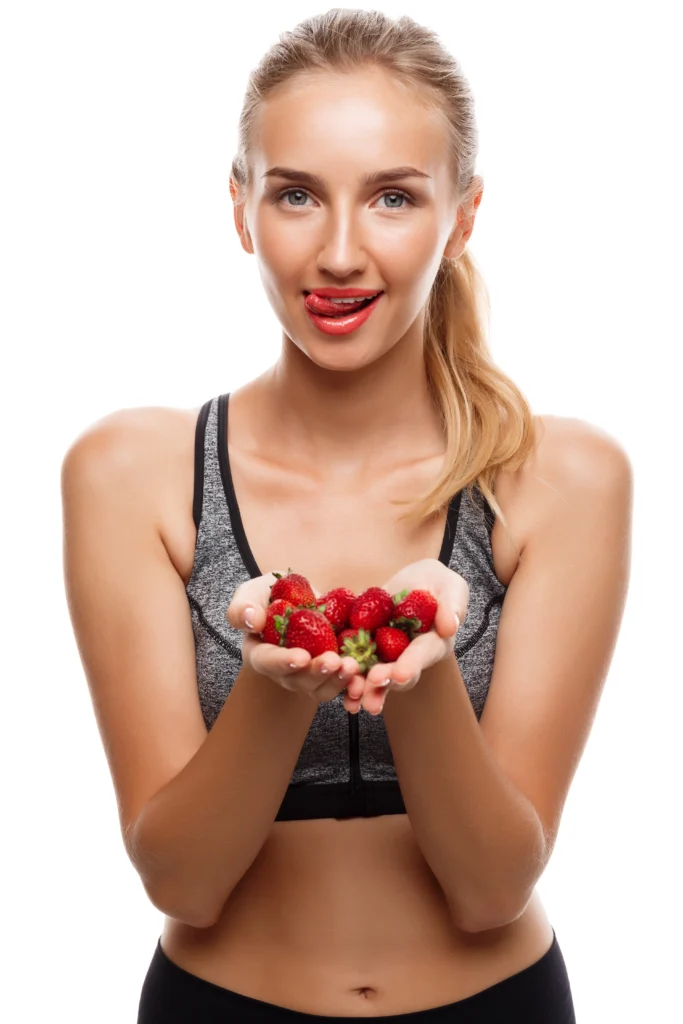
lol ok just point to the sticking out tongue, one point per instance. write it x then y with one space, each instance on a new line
318 304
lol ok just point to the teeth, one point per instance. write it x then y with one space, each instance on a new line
359 298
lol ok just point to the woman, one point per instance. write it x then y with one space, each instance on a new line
315 853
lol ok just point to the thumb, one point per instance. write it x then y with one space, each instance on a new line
447 620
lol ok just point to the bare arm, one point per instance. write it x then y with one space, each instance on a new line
198 836
194 808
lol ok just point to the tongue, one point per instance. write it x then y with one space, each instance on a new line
318 304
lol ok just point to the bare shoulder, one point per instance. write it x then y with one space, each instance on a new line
571 458
578 447
133 439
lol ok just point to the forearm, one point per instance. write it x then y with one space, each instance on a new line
480 835
198 836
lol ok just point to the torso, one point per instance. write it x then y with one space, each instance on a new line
303 929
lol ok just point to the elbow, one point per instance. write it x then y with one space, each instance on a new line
181 908
488 918
174 899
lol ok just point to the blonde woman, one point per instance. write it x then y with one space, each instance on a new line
317 852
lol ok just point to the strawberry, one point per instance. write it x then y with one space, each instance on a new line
335 606
371 609
415 612
358 644
391 642
293 587
308 628
341 637
276 617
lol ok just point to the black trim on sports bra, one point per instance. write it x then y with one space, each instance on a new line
198 495
228 487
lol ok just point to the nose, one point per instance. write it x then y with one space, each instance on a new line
342 250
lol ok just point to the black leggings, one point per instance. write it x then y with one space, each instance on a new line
539 994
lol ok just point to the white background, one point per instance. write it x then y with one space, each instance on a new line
124 285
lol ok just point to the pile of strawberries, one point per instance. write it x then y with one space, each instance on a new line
370 627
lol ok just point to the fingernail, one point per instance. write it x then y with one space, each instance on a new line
381 707
385 683
457 621
249 617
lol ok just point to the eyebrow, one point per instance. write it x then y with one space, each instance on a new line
392 174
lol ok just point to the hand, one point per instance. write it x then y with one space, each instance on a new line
452 593
293 668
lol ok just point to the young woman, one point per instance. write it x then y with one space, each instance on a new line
315 855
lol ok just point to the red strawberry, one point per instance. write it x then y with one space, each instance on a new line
415 612
276 617
335 606
308 628
358 644
391 642
371 609
293 587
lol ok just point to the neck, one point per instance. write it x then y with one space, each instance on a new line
357 421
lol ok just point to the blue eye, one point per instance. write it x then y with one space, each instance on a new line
398 195
302 192
292 191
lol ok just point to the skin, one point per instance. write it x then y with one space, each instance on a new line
336 401
333 404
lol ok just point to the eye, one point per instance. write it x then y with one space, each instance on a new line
400 195
300 192
288 192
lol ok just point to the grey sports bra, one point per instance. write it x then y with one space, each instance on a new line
345 767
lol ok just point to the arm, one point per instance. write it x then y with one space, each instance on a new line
480 835
194 808
198 836
485 799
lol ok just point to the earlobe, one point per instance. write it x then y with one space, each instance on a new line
246 241
243 231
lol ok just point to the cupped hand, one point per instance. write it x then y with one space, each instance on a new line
452 594
292 668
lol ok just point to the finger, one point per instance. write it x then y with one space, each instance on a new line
249 604
271 660
351 705
379 673
425 650
447 619
356 687
348 669
373 699
326 664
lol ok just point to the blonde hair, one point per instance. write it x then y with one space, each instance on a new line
487 421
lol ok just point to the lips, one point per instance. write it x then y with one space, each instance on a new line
325 307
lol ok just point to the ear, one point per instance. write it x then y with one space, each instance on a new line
466 214
240 220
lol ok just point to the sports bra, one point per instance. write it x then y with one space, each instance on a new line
345 768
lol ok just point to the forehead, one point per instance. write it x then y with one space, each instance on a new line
345 123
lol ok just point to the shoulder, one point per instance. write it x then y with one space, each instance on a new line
573 464
571 460
573 453
133 447
584 450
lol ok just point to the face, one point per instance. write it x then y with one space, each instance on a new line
339 230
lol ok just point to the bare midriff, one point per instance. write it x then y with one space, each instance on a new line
346 918
340 917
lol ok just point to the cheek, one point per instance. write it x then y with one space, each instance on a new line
411 257
284 254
